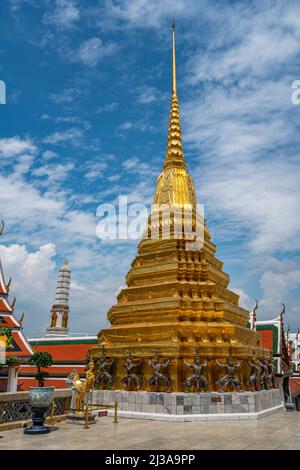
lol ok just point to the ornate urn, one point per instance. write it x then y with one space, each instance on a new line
40 399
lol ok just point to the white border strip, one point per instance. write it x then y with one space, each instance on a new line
48 380
195 417
61 338
66 366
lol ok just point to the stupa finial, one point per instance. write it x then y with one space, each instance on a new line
174 155
174 91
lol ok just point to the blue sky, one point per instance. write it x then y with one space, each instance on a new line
88 93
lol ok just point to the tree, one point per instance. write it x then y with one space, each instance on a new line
41 359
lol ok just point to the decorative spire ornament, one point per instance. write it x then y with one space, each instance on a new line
253 326
59 314
174 91
174 154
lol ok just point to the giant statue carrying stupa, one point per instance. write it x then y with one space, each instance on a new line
176 319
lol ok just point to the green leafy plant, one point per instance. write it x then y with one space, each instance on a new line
12 360
6 331
41 360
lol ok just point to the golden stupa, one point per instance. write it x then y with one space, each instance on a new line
177 302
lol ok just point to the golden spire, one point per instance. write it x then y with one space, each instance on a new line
174 154
174 91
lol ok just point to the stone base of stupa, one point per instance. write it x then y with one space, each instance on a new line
191 406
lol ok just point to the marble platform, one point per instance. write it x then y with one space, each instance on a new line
191 406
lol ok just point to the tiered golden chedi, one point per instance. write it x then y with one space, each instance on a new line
176 302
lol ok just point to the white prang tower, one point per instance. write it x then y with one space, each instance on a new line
59 314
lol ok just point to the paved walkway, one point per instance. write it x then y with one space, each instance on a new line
278 431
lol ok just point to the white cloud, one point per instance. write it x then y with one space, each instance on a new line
68 95
15 5
22 165
76 286
125 126
92 51
72 136
138 166
145 13
245 300
41 206
32 282
114 178
240 120
108 107
258 50
53 172
49 155
12 146
149 94
95 169
138 125
63 14
280 283
22 203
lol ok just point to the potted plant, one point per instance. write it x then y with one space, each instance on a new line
40 397
13 361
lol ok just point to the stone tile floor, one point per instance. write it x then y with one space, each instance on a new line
278 431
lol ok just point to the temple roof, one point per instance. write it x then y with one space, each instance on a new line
20 346
3 287
4 305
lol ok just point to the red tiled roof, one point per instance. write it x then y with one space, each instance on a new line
8 320
21 347
4 306
66 357
67 352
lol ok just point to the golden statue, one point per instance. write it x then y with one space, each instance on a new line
176 301
82 387
53 319
64 322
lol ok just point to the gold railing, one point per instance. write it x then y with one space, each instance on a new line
88 411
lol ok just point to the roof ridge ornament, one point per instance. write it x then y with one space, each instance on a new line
13 303
254 314
8 285
282 312
20 321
